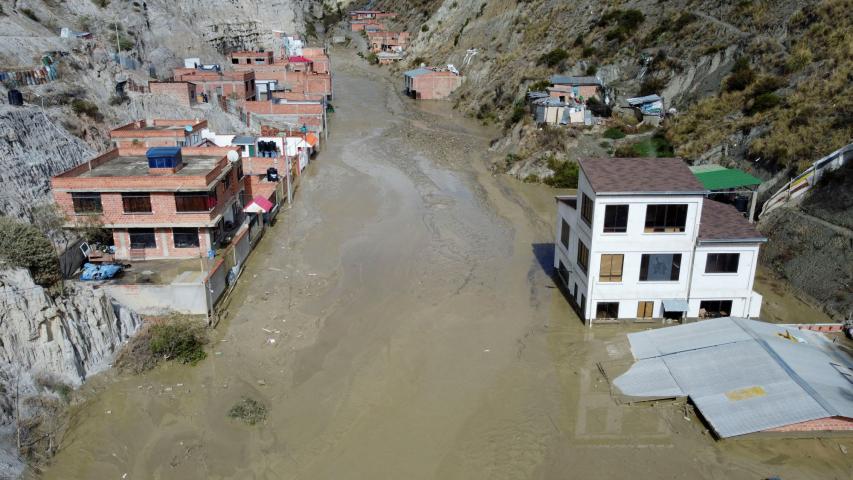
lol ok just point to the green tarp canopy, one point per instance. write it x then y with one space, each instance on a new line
716 177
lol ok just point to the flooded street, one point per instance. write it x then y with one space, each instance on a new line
399 321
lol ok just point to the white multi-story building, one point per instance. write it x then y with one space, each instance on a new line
640 240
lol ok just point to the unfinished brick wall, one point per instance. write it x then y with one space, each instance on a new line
828 424
437 85
183 92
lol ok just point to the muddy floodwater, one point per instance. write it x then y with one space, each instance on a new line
400 322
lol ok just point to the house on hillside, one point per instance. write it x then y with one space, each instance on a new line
159 133
580 88
649 109
640 240
387 41
161 202
429 83
552 111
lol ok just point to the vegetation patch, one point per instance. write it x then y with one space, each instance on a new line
249 410
553 58
179 338
565 173
85 107
614 133
25 246
655 146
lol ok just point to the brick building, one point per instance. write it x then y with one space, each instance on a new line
430 83
564 87
387 41
251 58
159 133
304 74
214 83
173 204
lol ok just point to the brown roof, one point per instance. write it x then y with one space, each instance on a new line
640 175
720 221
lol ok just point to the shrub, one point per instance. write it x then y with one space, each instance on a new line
182 340
539 86
626 22
614 133
553 58
762 102
249 411
372 58
417 61
599 108
591 69
101 3
683 20
565 174
654 146
425 28
652 85
517 114
741 77
25 246
116 100
587 52
85 107
30 14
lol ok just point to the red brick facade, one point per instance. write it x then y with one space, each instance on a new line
159 133
160 190
828 424
433 85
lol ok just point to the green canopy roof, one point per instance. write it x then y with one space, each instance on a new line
724 178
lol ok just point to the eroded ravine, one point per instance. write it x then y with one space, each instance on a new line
418 337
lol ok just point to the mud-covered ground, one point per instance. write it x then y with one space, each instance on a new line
400 321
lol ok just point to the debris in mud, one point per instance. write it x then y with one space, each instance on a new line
249 411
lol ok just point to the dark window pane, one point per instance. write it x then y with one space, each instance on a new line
142 238
87 202
195 201
564 234
185 237
607 310
722 263
586 209
715 308
136 202
666 218
660 267
616 218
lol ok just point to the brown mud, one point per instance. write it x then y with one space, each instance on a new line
400 321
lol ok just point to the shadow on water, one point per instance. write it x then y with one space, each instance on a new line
544 253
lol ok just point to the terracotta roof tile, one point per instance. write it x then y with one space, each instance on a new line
720 221
640 175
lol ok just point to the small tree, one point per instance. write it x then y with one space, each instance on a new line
23 245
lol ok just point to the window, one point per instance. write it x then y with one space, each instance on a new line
616 219
660 267
715 308
583 256
564 234
582 305
586 209
666 218
645 309
195 201
142 238
185 237
607 310
563 272
235 61
87 203
611 268
136 202
722 263
239 172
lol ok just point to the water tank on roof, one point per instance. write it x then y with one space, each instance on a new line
272 174
164 157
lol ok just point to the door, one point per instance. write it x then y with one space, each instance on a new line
251 150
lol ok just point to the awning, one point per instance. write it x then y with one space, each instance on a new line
259 204
311 139
674 305
725 178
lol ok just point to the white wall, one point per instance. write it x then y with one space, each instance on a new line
635 242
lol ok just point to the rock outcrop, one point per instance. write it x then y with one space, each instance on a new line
65 338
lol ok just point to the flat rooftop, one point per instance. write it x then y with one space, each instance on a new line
137 166
168 126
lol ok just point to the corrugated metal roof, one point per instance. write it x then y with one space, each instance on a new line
243 140
641 100
706 168
416 72
744 376
567 80
675 305
726 178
